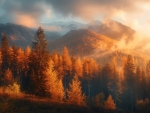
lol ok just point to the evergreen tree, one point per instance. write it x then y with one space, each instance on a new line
78 67
99 100
107 73
24 77
129 72
8 77
67 66
75 95
5 54
38 62
148 77
53 85
66 61
109 103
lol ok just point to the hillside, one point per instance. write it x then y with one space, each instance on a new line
113 29
28 104
82 42
21 35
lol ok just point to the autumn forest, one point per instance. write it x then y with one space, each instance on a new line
68 79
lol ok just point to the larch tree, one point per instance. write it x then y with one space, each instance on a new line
114 80
66 61
5 53
53 85
148 77
78 67
38 61
140 84
99 100
14 62
107 73
8 77
24 76
129 72
75 95
109 103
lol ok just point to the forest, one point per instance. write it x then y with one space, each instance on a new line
79 81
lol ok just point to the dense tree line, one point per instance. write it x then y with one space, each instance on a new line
75 80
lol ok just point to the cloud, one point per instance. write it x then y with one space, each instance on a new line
89 9
26 20
148 21
48 13
83 9
24 12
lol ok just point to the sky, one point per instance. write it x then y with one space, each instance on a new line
31 13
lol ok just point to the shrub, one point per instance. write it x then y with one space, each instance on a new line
11 89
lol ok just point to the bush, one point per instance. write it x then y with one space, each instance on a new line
11 89
142 106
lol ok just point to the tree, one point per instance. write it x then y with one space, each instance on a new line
66 62
24 76
114 80
78 67
8 77
109 103
148 77
99 100
107 73
53 85
143 106
75 95
5 53
38 62
140 84
129 72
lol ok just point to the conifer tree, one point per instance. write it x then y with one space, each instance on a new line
148 77
53 85
109 103
38 61
5 53
107 73
129 72
67 67
99 100
8 77
66 61
24 76
75 95
78 67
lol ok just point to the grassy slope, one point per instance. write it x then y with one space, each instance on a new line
30 104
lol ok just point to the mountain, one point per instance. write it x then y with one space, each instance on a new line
87 43
109 28
113 29
23 36
82 42
66 26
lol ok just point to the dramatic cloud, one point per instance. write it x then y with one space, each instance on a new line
88 9
24 12
31 11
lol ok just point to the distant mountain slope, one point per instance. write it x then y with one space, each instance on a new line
21 35
113 29
82 42
86 43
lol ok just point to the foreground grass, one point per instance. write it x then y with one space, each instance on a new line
21 103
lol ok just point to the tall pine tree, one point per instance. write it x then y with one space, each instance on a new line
38 63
